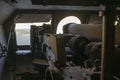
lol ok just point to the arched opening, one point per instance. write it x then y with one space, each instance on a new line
66 20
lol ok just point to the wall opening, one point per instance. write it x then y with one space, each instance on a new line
23 36
23 32
66 20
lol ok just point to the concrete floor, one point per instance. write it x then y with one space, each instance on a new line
23 63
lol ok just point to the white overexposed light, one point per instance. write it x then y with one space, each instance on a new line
66 20
22 26
27 25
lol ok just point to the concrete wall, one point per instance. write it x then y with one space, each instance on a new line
2 60
5 11
2 36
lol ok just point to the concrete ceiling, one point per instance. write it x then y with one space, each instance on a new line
93 5
29 18
75 2
8 6
27 4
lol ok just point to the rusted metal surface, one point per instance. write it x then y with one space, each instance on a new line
108 42
40 61
56 44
